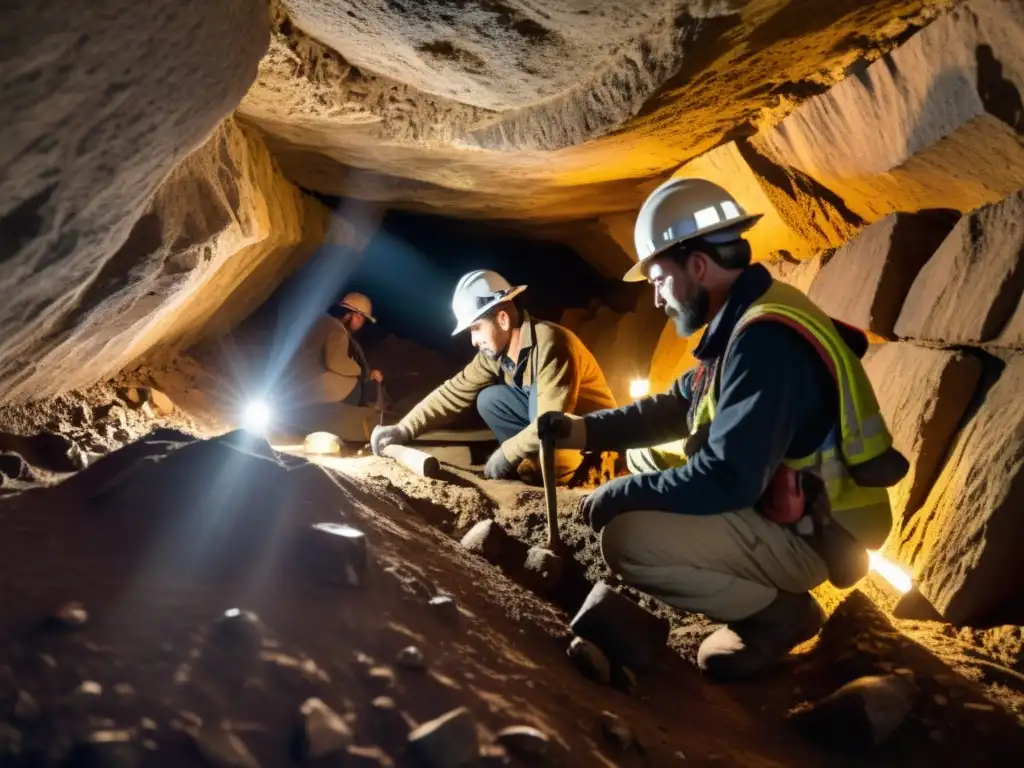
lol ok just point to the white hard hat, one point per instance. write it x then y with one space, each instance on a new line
358 302
477 293
685 209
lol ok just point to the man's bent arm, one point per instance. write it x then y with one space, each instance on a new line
649 421
558 386
772 386
450 398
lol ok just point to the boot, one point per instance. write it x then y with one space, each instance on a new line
757 643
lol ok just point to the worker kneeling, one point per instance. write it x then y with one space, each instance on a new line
524 367
784 453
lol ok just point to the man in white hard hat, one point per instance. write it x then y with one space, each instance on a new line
524 367
778 422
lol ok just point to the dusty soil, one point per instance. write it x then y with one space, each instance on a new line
159 538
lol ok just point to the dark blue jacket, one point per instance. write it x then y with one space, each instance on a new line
777 400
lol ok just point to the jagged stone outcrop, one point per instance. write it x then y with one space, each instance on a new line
923 394
934 124
966 540
866 281
100 101
505 110
971 287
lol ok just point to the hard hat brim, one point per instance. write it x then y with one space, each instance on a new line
635 274
358 311
487 308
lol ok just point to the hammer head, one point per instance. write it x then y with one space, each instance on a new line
542 569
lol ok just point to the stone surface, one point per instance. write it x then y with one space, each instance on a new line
431 106
447 741
322 732
337 553
799 274
628 634
525 741
882 262
445 608
923 394
965 541
970 288
931 125
100 103
485 539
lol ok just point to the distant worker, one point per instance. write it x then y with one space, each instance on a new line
779 483
330 348
524 367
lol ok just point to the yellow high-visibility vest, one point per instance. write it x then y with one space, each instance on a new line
863 435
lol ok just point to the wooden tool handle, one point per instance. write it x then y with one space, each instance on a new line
547 472
420 462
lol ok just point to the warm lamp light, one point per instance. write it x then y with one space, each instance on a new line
639 388
891 572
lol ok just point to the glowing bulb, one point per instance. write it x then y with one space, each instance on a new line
256 417
891 572
639 388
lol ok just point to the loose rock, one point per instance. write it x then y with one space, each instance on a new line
447 741
71 615
161 403
107 749
383 678
860 715
525 741
445 607
232 649
26 708
223 749
616 731
322 731
338 553
628 634
410 657
89 688
589 660
486 539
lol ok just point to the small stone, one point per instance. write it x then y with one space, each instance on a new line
941 700
383 703
445 607
161 403
615 730
89 688
589 660
107 749
486 539
382 678
223 749
322 731
493 754
132 396
124 690
367 757
232 649
447 741
678 755
147 724
525 742
410 657
338 553
26 708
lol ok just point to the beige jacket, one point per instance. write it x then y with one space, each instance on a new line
328 373
567 376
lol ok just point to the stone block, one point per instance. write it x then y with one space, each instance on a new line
628 634
923 394
866 281
970 288
966 539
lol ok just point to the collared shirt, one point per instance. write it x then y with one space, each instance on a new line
552 358
776 400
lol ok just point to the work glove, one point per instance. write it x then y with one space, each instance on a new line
605 504
569 431
382 437
499 468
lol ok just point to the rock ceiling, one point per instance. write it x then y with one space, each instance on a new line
536 110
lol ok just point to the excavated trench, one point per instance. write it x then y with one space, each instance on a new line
186 186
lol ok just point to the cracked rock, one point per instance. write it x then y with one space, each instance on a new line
322 731
447 741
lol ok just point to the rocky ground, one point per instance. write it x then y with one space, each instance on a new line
126 638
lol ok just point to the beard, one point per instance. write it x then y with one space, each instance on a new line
691 315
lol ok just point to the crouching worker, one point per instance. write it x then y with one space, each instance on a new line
785 452
524 367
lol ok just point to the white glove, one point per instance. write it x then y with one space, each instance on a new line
382 437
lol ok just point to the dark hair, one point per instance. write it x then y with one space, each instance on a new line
734 255
510 306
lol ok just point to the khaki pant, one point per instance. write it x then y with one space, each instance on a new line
727 566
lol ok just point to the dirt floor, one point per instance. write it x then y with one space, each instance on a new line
157 539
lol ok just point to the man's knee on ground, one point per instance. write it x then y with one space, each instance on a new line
618 544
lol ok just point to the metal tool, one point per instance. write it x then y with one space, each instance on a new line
543 565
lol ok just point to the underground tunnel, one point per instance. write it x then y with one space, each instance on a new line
248 519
